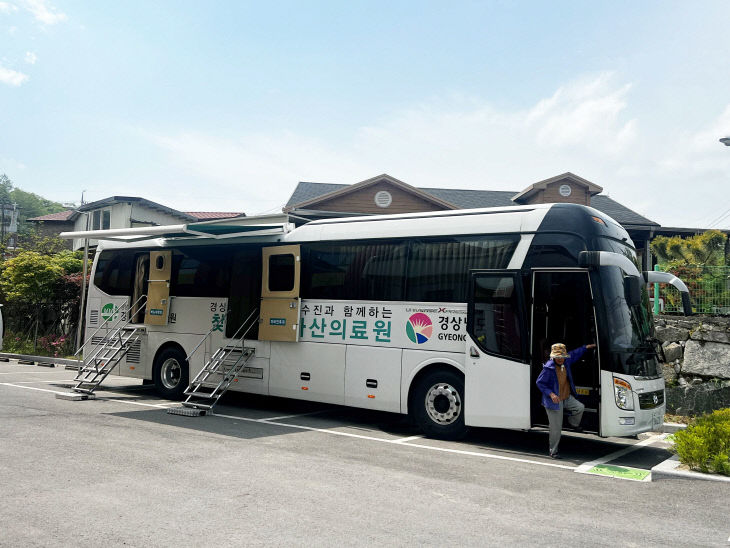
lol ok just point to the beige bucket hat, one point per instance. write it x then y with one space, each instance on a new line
558 351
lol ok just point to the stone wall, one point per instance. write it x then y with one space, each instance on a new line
696 355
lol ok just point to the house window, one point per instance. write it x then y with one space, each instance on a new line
101 219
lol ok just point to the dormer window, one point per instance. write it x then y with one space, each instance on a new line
101 219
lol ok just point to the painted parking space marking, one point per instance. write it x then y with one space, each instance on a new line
599 466
332 432
64 393
588 467
409 438
282 417
32 388
620 472
397 442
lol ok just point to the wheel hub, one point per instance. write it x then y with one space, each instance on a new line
170 373
443 403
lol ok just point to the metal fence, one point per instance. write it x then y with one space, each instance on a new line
709 289
46 328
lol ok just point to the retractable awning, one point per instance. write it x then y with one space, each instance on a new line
262 225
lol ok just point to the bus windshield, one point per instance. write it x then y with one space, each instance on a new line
630 326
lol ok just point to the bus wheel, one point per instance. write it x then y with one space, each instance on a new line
437 405
170 373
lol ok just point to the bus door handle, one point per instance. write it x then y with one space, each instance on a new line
473 352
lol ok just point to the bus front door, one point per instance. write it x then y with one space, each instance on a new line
563 312
280 300
497 380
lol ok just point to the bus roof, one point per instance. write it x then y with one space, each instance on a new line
278 228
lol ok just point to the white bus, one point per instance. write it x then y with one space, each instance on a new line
447 316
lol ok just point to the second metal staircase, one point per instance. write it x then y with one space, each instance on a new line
218 373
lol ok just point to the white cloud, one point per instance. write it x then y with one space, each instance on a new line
44 12
7 7
585 127
12 77
30 57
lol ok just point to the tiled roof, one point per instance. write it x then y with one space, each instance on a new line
210 215
466 199
60 216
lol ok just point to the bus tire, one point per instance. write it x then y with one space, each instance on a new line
437 404
170 373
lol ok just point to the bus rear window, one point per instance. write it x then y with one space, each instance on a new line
114 272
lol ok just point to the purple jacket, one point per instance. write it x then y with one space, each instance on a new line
547 382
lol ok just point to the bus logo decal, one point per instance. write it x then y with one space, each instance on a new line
109 311
419 328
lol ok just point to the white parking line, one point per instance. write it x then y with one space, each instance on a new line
399 441
583 468
296 415
46 382
409 438
158 405
32 388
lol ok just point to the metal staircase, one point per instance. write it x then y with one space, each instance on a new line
218 373
111 347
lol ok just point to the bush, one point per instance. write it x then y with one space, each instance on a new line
17 343
705 444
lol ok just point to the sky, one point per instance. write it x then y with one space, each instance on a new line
227 105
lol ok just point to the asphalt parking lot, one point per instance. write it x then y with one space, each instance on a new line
120 470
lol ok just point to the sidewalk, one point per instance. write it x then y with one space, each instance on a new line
670 468
42 360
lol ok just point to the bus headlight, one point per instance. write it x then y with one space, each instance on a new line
623 395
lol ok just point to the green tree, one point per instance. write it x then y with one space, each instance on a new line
45 245
706 249
30 204
700 262
30 277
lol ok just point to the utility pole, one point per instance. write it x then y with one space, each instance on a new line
83 282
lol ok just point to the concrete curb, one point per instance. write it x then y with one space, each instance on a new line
672 427
41 359
668 470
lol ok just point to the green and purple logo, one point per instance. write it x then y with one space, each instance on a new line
419 328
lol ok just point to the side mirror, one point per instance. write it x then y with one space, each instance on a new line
632 290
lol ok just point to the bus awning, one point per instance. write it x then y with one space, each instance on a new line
263 225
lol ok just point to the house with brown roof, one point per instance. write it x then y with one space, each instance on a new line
120 212
384 194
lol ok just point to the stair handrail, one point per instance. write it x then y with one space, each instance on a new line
104 324
254 311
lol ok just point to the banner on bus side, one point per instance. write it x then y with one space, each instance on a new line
425 326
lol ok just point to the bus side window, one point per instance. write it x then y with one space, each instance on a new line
497 322
438 270
357 271
114 272
281 272
545 252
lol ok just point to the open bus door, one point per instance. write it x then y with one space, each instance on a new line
158 288
563 312
497 387
280 302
